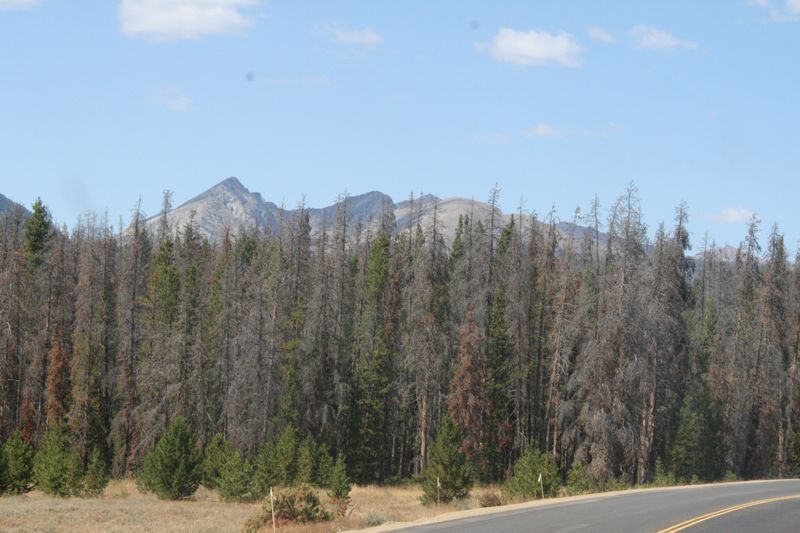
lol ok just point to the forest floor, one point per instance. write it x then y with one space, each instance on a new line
123 508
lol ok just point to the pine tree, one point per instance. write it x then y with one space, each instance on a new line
235 478
38 230
499 354
56 467
18 458
217 453
325 466
794 451
3 472
87 421
285 458
373 369
339 486
263 471
158 366
131 285
696 450
469 402
579 481
448 475
524 482
306 467
172 468
96 477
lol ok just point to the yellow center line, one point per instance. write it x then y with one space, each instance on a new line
694 521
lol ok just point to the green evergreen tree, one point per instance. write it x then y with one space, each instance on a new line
56 467
695 450
235 478
306 467
3 471
448 475
499 354
217 452
339 486
172 468
579 480
367 446
324 466
263 471
38 228
96 477
524 482
794 451
18 458
663 477
287 403
285 458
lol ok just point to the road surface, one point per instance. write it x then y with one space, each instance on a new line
762 506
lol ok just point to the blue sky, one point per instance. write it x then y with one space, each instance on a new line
555 101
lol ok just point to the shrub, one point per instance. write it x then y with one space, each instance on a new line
18 459
299 505
235 478
56 468
490 499
375 519
172 468
579 480
217 452
663 477
293 505
524 482
448 475
96 478
339 487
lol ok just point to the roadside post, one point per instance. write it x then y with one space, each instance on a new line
272 508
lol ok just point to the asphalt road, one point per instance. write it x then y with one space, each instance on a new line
764 506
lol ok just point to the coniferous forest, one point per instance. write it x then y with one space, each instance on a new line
609 345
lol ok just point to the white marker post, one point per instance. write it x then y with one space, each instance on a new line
438 490
272 507
541 485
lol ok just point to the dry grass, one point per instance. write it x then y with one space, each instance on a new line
373 505
123 508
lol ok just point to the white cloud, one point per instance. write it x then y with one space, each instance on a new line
782 11
656 39
168 20
731 215
172 99
17 4
599 34
366 38
533 48
544 131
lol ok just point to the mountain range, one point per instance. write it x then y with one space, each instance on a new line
229 204
7 205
